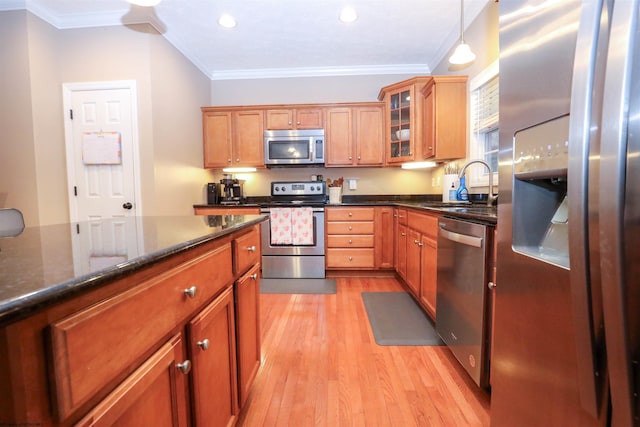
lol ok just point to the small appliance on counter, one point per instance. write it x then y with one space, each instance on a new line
232 190
213 194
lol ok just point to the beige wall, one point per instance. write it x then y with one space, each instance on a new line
171 91
18 184
40 58
482 35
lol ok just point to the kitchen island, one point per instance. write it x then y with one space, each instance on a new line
92 331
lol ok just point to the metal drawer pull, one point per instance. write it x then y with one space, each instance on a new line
350 214
350 241
350 258
350 228
491 285
251 248
184 367
191 292
204 344
415 242
254 276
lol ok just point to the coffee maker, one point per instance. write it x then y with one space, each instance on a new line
232 192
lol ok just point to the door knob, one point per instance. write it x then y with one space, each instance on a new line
127 205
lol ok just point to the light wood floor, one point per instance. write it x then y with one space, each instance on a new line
322 367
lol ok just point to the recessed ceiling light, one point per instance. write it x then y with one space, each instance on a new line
145 3
348 14
227 21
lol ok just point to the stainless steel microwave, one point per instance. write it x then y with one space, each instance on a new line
294 147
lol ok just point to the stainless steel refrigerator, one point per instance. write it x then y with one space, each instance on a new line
567 312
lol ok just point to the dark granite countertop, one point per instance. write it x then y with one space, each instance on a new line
476 210
50 263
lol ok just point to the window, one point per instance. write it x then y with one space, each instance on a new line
484 125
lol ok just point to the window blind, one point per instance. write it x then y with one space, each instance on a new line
485 106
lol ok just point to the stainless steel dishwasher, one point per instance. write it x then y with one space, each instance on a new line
462 294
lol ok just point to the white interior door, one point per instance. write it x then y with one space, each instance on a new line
102 171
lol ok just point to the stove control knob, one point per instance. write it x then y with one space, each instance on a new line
276 188
283 188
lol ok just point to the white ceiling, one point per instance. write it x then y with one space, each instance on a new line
279 38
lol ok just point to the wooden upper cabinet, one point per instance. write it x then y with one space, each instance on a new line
369 135
248 142
294 118
354 135
404 119
217 128
444 118
426 118
338 134
233 137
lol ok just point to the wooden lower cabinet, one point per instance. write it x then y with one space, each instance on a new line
154 395
401 251
350 237
247 298
212 344
384 237
360 238
414 261
421 258
167 345
400 241
429 274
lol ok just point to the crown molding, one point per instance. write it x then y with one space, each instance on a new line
275 73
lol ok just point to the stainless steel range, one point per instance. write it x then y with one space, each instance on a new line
293 237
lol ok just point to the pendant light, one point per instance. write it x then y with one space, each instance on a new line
145 3
462 55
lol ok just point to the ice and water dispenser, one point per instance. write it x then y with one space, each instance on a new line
540 204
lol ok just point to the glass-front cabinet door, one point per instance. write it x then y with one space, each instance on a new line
404 108
400 129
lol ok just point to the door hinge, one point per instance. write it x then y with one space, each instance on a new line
77 228
75 191
71 114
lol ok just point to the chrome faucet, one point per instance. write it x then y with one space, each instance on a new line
491 196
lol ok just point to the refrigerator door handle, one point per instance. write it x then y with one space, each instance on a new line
616 117
590 381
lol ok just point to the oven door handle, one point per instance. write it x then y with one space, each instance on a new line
476 242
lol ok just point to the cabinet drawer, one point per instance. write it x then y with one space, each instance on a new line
424 223
355 241
363 227
246 250
349 214
350 258
101 344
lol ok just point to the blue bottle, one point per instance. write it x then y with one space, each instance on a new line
462 193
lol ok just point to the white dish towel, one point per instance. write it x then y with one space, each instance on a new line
280 219
302 226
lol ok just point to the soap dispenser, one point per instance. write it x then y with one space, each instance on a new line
462 193
452 192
